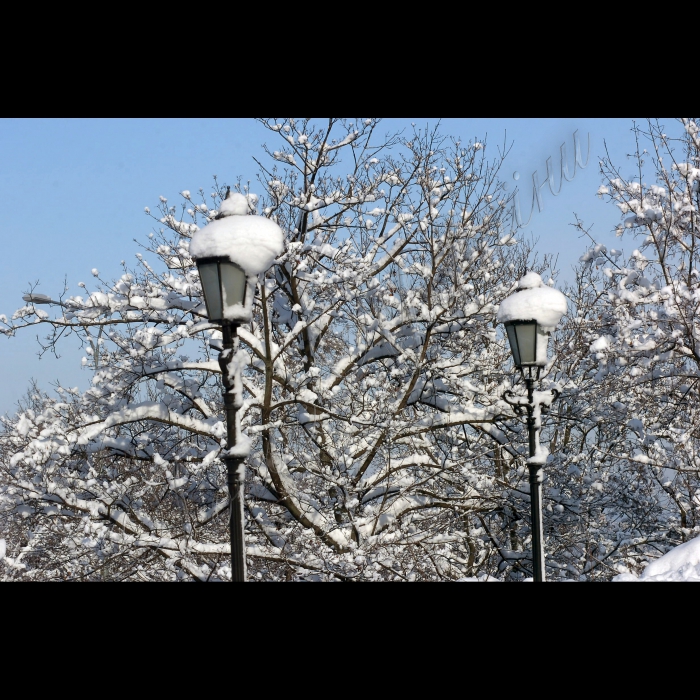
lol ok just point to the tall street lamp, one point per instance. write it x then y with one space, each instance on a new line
530 314
230 253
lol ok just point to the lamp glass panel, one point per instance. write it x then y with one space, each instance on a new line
527 342
209 276
233 284
513 340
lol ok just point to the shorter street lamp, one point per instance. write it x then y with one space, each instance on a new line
230 253
530 314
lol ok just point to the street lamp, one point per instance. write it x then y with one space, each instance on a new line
529 315
230 252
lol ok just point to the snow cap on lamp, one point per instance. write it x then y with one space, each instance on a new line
253 242
534 300
250 242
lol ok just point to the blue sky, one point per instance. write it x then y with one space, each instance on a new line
73 193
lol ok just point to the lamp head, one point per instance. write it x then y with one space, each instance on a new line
530 314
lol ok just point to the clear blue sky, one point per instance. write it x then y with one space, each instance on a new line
73 193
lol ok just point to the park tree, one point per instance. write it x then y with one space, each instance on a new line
625 477
381 447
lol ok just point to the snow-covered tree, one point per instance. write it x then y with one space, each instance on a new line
633 481
371 390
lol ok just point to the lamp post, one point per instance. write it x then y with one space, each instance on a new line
530 314
230 253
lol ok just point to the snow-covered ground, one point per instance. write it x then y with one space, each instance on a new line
680 564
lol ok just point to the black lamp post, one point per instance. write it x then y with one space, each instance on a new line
224 284
529 315
230 252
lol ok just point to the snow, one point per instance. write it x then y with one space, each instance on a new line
602 343
533 300
530 280
540 456
682 563
24 425
240 450
235 204
253 242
